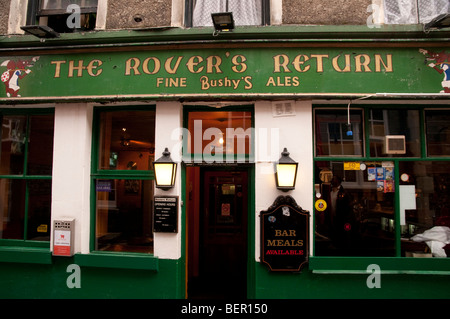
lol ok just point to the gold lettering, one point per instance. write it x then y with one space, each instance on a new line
387 66
347 63
281 61
191 64
79 68
359 64
58 68
319 58
91 66
210 64
168 66
156 67
270 81
248 80
298 61
240 64
134 67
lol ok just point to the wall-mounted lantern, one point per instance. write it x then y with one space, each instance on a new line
286 172
165 171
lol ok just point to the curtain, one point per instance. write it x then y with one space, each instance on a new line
413 11
245 12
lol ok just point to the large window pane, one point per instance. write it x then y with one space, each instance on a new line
424 206
40 145
222 132
335 136
39 209
127 140
437 124
12 208
124 210
397 124
13 144
359 215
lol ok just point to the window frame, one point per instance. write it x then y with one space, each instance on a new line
27 177
189 9
398 263
110 174
35 13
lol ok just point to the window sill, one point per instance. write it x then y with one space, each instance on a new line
388 265
25 255
118 260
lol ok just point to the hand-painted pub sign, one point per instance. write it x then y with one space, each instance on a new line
284 235
228 72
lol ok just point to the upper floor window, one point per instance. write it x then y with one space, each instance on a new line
413 11
63 16
248 12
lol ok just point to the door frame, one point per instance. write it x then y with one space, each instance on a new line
251 222
251 204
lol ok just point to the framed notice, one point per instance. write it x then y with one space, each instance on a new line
284 235
165 214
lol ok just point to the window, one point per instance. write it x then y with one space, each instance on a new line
413 11
380 203
438 132
123 180
395 123
359 220
249 12
25 175
220 136
60 17
339 132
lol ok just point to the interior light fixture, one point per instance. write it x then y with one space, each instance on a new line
222 21
40 31
439 22
286 172
165 171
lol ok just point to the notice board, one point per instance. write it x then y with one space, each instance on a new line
165 214
284 235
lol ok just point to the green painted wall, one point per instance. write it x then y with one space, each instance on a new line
31 281
21 280
307 284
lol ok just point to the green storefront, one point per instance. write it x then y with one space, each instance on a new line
85 116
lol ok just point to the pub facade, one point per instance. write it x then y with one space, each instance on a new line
306 157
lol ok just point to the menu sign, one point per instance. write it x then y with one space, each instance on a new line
165 214
284 235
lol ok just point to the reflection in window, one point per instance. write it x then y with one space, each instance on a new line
335 136
424 205
220 133
124 203
397 124
124 210
437 124
126 140
359 215
25 192
58 15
